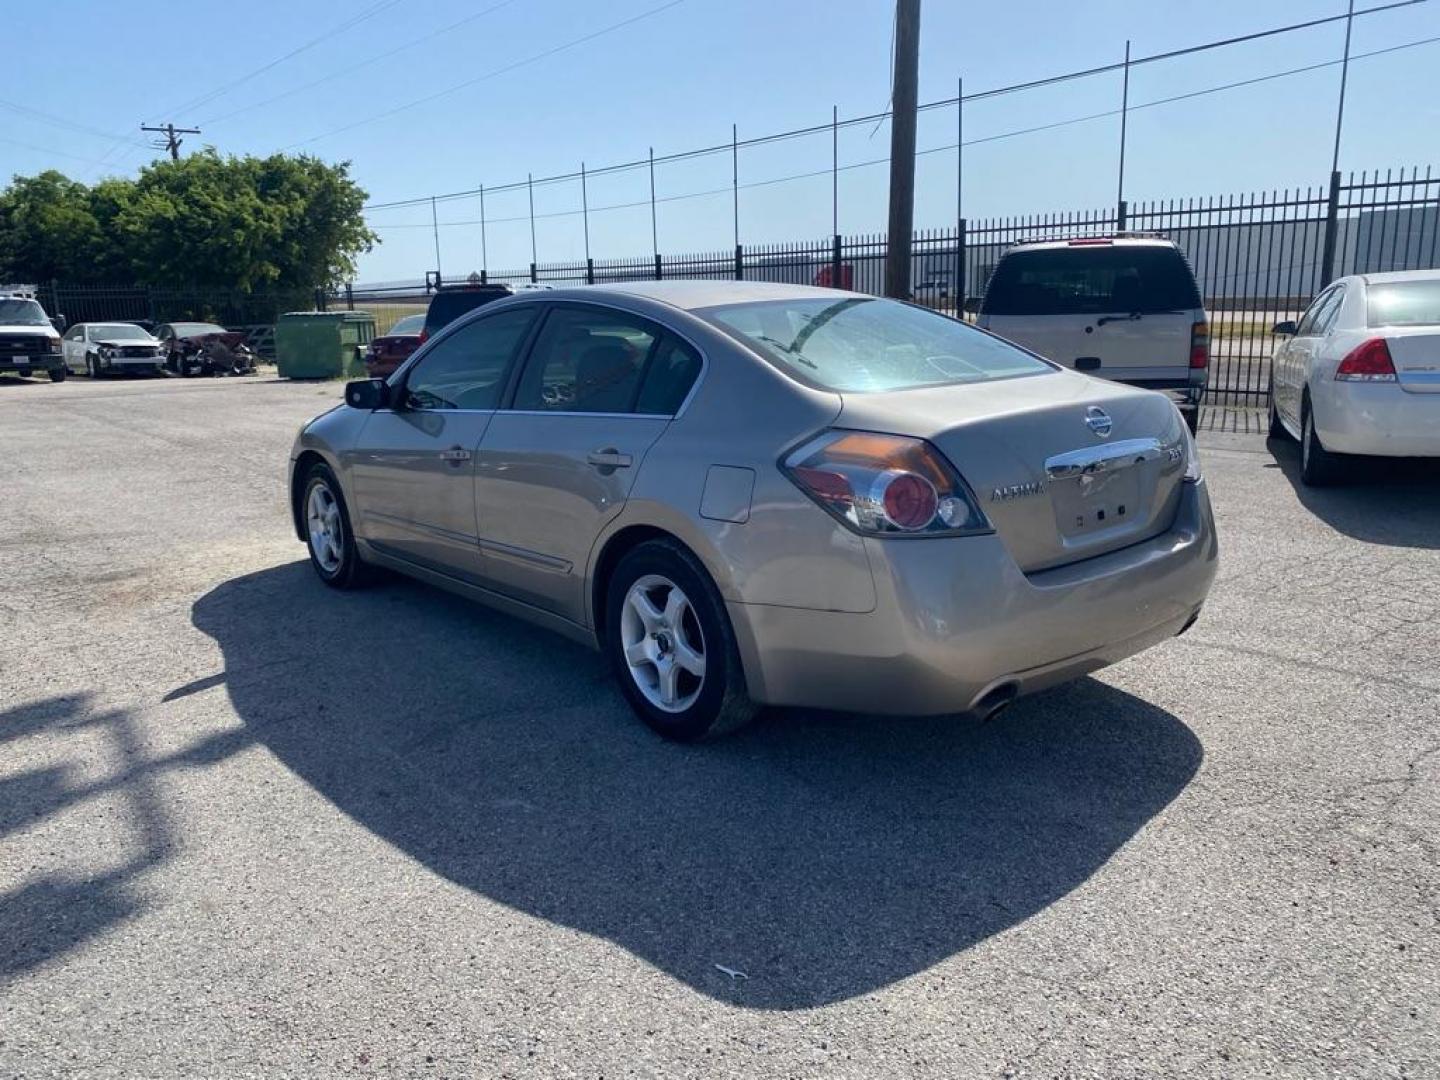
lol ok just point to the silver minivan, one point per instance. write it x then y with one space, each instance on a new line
1123 308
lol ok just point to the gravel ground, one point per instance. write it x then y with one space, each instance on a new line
250 826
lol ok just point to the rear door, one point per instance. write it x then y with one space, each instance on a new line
597 389
412 468
1119 311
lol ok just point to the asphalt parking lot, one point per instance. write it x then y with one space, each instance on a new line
250 826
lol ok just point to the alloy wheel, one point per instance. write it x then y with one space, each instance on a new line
663 644
327 534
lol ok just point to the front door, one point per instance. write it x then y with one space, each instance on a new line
72 346
412 468
596 391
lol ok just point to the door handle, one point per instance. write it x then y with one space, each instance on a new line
455 454
608 458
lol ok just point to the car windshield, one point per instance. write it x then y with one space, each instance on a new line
1091 280
862 344
118 332
411 324
190 329
22 313
1403 303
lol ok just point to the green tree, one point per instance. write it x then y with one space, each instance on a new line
47 229
277 222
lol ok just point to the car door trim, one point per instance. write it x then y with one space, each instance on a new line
525 555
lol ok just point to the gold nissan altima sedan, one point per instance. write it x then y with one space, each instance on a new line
754 494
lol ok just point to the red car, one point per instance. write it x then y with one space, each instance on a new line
387 353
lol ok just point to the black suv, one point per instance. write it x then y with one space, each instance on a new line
452 301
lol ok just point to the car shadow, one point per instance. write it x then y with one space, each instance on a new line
1394 501
823 856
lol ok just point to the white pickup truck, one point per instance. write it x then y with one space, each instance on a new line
29 344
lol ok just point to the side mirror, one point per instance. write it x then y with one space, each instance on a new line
367 394
1287 328
58 322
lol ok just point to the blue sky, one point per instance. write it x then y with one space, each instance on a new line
677 79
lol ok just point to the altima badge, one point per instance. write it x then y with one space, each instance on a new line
1016 491
1098 421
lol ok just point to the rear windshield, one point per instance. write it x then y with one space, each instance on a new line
190 329
1403 303
1091 281
411 324
446 307
861 344
22 313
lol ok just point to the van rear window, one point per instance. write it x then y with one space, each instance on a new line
1096 280
446 307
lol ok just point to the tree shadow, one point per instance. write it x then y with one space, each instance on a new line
1394 501
824 856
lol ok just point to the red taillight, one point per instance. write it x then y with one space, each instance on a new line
885 484
1367 362
424 334
1199 345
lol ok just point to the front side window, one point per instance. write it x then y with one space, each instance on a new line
1404 303
862 344
586 360
466 369
75 333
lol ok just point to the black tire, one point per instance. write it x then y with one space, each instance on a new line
720 703
1277 426
1318 466
57 374
349 572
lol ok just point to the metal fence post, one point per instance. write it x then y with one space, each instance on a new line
1332 224
484 275
319 298
1122 211
533 277
960 286
739 263
835 264
658 274
349 296
589 271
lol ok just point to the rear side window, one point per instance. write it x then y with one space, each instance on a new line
446 307
1403 303
672 371
1091 280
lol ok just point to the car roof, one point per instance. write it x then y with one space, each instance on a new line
1400 275
1091 241
692 294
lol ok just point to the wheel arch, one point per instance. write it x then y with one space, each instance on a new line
307 460
628 532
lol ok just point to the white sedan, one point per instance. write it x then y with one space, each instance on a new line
1360 372
97 349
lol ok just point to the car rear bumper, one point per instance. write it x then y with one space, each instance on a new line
1380 419
957 619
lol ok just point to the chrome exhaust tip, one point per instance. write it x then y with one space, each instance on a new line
995 701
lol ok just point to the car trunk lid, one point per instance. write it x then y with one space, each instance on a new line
1415 352
1065 466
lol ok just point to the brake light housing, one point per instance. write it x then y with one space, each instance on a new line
424 334
1199 346
885 485
1369 361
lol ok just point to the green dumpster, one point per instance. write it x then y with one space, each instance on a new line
322 344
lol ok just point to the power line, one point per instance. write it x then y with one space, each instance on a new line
62 122
349 69
949 102
219 91
489 75
871 162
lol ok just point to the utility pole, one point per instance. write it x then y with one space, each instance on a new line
170 131
904 101
1344 74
